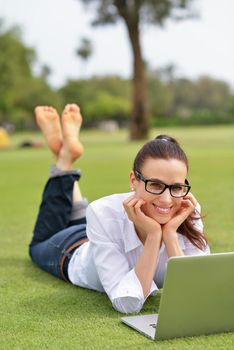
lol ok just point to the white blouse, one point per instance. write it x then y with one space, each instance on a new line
106 263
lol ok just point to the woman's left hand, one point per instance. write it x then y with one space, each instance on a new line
187 208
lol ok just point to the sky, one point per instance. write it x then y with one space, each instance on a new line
55 28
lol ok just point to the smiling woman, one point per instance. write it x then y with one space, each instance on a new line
119 244
163 158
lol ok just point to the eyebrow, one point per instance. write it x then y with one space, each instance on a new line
154 180
162 182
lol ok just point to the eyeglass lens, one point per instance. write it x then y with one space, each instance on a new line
158 188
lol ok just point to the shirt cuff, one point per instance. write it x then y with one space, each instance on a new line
128 296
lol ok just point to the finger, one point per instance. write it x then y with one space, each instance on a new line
139 213
189 201
133 209
135 203
188 206
137 207
191 197
182 216
131 203
132 200
127 200
129 207
139 203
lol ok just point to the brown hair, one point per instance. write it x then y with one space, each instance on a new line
166 147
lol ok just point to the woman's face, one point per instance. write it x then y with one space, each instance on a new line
160 207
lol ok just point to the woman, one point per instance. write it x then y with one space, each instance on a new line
122 243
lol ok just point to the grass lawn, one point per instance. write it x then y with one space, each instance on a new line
40 312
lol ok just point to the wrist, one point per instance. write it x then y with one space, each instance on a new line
170 235
173 247
154 237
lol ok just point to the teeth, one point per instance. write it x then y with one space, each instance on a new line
162 210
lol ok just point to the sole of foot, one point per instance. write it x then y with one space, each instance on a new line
71 122
48 121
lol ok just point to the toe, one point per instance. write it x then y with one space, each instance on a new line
75 107
38 109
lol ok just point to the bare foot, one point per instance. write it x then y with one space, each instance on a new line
48 120
72 149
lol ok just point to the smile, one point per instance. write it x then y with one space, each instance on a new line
161 210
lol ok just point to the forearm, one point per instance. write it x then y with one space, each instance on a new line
172 244
147 262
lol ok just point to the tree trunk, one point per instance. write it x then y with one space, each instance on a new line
139 123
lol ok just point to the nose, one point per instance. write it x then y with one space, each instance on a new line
165 197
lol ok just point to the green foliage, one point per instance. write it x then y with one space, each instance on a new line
144 11
106 106
15 61
20 90
134 14
203 117
85 49
231 105
99 98
205 93
182 102
172 101
161 97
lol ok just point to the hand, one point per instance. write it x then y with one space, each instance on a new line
187 208
144 224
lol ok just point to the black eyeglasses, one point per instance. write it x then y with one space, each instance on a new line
177 190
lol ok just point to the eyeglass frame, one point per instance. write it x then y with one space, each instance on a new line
139 176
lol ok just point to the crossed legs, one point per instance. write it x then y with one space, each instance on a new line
62 137
57 229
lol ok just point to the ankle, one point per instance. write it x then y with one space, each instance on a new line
55 171
64 165
64 160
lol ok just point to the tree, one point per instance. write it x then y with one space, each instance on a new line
85 49
45 72
211 94
99 98
20 90
135 13
15 63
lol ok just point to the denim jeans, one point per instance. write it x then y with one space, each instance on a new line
55 236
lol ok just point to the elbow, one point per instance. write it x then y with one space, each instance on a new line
127 305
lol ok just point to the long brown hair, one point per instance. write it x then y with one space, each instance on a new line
166 147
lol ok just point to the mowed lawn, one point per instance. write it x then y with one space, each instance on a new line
39 311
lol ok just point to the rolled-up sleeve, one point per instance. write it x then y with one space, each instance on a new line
128 296
117 278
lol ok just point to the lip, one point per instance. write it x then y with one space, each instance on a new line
162 210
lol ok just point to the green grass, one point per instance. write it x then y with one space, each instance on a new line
40 312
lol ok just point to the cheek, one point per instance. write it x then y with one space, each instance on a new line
147 197
177 204
140 192
147 208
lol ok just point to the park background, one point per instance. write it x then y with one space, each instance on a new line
195 105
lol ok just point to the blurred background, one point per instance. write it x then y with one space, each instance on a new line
139 65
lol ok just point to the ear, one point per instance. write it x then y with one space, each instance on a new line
132 180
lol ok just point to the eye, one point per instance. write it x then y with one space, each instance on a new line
178 188
155 186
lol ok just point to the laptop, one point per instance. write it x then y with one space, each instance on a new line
197 299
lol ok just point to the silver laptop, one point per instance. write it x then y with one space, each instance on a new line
197 299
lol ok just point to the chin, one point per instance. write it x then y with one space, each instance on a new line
161 220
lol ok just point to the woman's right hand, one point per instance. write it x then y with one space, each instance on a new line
144 224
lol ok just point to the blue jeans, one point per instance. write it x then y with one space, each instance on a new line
55 236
